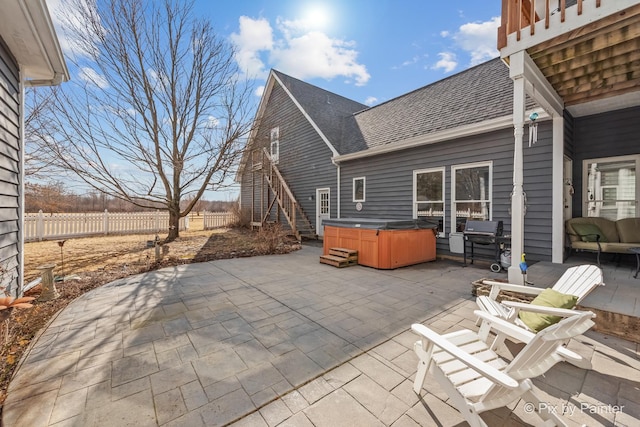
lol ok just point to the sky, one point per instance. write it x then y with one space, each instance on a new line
369 51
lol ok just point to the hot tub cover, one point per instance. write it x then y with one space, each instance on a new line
382 223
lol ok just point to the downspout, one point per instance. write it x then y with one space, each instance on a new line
21 229
337 165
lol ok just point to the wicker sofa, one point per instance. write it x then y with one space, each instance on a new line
603 235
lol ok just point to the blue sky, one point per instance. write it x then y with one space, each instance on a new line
369 51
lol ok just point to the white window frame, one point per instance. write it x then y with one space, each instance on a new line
364 188
585 179
415 202
454 201
274 148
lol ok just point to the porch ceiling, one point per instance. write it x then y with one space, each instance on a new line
594 62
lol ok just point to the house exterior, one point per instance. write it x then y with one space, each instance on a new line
30 55
447 151
287 169
580 62
387 161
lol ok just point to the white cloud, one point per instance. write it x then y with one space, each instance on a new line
296 50
370 101
90 75
447 62
255 36
259 91
479 39
444 33
212 122
408 62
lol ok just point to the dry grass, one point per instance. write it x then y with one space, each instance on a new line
99 260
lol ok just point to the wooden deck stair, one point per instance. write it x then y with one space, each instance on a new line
340 257
296 217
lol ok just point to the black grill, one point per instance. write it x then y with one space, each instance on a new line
482 233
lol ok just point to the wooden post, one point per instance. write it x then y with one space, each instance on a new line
105 222
40 226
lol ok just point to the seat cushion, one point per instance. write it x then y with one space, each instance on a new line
547 298
589 232
629 230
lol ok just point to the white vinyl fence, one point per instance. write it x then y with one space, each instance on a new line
217 219
41 226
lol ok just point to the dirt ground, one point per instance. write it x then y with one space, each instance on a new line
87 263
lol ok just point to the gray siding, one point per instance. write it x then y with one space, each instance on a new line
615 133
389 182
305 160
9 170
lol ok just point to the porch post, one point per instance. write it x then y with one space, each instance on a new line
557 225
517 196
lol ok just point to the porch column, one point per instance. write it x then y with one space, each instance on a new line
557 225
517 196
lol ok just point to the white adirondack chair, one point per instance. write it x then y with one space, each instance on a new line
579 281
478 380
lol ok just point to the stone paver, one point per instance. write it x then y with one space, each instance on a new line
281 341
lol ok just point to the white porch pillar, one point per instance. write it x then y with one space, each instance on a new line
517 196
557 220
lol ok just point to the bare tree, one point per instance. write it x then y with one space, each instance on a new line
158 111
38 161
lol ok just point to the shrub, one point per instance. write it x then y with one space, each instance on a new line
270 237
242 217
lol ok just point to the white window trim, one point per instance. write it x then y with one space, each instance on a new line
274 138
454 168
585 177
444 192
364 189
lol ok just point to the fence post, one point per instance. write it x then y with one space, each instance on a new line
157 221
40 225
186 222
105 222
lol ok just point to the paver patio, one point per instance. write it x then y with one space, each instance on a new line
280 340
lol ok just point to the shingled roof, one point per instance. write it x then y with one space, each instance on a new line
329 111
475 95
478 94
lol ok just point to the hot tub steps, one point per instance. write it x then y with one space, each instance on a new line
340 257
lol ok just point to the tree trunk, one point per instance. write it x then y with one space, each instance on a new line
174 224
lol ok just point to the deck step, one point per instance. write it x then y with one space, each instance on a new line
340 257
336 261
348 254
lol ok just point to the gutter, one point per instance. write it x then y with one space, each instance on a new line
56 60
57 79
445 135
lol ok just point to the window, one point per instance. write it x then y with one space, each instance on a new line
428 196
275 144
471 193
358 189
611 187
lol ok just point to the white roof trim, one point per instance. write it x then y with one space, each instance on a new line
259 113
449 134
315 126
26 27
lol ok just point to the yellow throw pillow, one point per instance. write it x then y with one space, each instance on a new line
547 298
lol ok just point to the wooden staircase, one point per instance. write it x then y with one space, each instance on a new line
340 257
296 217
